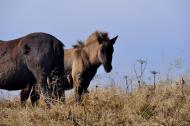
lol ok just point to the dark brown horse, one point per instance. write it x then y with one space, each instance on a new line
82 61
27 61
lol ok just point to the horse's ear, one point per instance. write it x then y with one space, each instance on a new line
113 40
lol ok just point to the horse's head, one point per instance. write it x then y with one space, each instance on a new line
106 50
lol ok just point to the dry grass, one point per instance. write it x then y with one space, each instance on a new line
107 106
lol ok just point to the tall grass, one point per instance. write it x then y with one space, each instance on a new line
111 106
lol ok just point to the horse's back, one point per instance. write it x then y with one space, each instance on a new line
22 57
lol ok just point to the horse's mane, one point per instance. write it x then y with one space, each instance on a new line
80 44
94 37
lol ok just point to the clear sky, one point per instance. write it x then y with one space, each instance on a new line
156 30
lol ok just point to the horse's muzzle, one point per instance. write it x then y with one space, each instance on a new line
108 68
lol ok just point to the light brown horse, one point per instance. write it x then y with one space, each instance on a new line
86 57
83 60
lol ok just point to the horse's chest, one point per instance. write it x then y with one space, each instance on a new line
90 74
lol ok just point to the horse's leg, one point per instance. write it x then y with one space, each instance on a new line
78 93
79 84
56 86
35 96
78 78
61 96
49 91
68 84
24 94
43 83
40 75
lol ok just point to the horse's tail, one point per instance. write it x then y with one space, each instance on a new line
58 62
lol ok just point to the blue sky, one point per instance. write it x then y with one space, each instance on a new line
156 30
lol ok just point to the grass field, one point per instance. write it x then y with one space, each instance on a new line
167 105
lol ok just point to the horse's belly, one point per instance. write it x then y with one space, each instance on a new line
15 79
13 86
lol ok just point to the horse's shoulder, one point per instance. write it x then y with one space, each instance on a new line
80 56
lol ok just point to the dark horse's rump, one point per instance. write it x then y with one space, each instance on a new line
29 60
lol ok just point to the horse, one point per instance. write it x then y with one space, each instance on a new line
82 61
86 58
28 60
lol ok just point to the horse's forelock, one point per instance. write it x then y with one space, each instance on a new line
97 35
102 35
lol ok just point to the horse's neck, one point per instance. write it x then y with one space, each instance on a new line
92 53
94 63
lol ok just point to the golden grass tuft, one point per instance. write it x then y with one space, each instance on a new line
166 105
